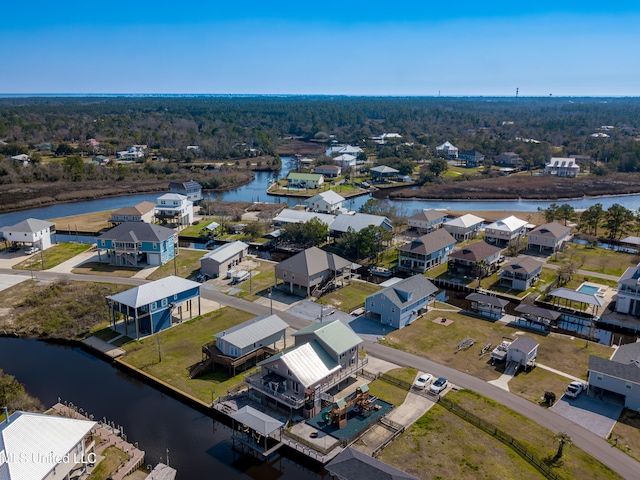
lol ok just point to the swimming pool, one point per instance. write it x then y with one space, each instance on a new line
589 289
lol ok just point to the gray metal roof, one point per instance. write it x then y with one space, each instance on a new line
429 243
408 291
631 240
465 221
138 232
358 221
256 420
631 276
334 334
537 311
624 371
153 291
384 169
312 261
524 344
581 297
298 216
226 251
488 299
252 331
350 464
36 435
30 225
190 184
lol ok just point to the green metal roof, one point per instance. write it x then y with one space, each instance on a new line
334 334
304 176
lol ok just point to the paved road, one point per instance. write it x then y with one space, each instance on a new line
597 447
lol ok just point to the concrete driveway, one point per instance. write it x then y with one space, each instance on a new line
7 281
596 415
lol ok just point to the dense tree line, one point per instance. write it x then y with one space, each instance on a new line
74 169
14 396
228 127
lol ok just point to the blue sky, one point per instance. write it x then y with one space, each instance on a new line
333 47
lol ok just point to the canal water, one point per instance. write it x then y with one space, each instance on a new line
199 447
256 191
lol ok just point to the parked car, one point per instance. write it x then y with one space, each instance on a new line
423 381
31 250
439 385
574 389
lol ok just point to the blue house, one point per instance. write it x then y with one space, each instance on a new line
134 244
426 252
151 307
401 303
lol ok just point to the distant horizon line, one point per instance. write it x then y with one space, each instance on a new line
275 95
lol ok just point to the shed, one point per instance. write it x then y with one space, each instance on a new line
523 351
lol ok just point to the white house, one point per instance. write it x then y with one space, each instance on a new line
325 202
447 149
336 150
464 228
562 167
174 209
52 446
346 160
427 220
618 377
32 231
191 189
22 158
629 292
504 230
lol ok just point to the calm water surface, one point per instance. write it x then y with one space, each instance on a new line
199 447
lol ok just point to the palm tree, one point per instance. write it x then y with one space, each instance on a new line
480 270
563 439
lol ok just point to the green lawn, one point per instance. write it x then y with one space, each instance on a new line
347 299
180 348
548 275
98 268
598 260
434 447
627 431
260 282
196 230
344 190
439 343
187 264
114 457
53 256
105 334
392 393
